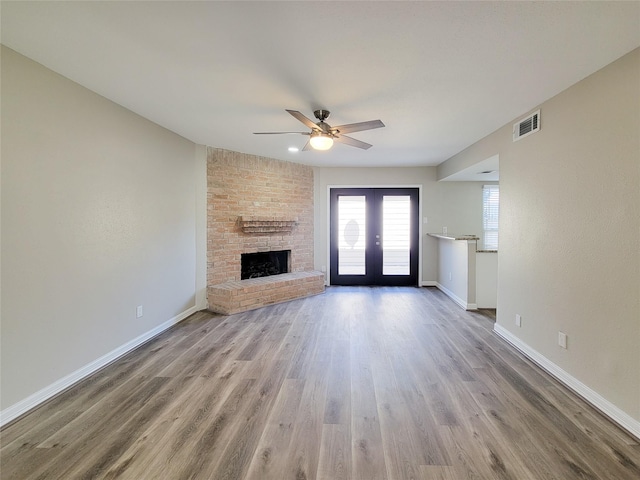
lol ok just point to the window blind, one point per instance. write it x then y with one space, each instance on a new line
490 214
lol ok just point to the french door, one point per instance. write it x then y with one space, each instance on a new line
373 236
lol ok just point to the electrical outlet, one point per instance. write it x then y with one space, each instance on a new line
518 320
450 276
323 269
138 311
425 220
444 230
562 339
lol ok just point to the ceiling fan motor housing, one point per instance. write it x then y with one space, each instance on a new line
322 115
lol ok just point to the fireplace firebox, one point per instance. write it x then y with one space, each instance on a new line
264 264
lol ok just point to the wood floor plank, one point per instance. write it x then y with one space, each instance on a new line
335 453
435 472
338 401
245 433
123 400
401 445
367 450
76 452
307 432
168 442
97 462
270 458
359 383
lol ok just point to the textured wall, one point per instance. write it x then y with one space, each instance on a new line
246 185
569 256
98 217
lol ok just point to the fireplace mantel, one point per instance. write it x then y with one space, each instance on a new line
252 224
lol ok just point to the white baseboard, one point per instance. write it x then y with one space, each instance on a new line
455 298
429 283
595 399
32 401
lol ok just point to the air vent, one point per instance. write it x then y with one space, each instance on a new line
526 126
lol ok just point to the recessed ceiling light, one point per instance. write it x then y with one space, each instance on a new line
294 149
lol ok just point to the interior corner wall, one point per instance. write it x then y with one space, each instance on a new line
456 205
98 217
569 256
325 177
460 206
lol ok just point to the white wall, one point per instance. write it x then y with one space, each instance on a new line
569 256
99 215
457 271
456 205
461 207
487 279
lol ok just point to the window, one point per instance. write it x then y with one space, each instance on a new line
490 214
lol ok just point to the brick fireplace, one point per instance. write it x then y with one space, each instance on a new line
257 204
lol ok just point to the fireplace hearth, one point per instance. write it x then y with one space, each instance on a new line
258 204
264 264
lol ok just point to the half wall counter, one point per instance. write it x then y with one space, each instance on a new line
465 274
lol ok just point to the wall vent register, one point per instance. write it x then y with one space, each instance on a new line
526 126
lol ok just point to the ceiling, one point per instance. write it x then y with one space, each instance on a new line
440 75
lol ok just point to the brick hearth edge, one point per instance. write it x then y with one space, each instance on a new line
237 296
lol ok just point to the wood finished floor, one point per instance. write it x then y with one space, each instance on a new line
358 383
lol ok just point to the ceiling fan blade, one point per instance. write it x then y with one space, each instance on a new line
307 121
352 141
280 133
358 127
307 147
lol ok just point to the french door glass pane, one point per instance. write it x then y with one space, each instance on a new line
351 235
396 238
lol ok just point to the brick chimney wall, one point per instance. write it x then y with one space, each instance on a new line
243 185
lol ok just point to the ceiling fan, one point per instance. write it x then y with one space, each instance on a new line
322 134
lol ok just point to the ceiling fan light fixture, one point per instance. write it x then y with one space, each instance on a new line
322 135
320 141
